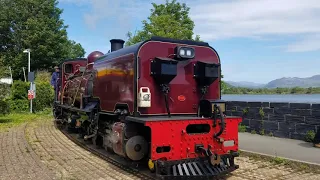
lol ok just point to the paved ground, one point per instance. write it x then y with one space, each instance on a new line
40 151
288 148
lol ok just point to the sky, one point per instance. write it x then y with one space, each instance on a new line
257 40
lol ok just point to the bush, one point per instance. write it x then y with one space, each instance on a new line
19 90
44 92
43 76
4 91
4 95
4 107
242 128
18 101
19 105
310 136
44 96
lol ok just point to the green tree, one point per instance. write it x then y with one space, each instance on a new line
169 20
297 90
309 90
34 24
74 50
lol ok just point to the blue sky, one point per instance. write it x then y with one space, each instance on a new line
257 40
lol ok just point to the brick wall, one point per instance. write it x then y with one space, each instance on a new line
286 120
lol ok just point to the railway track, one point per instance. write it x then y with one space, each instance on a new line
139 172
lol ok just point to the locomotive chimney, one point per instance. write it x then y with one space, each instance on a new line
116 44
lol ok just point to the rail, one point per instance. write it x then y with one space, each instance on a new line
104 156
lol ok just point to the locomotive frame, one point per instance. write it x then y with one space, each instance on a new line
193 138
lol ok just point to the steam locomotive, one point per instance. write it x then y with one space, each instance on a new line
156 102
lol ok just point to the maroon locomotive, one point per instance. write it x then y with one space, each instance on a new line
158 102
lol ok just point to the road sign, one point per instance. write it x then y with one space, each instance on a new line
30 94
33 88
31 76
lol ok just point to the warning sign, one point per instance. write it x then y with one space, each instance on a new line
30 94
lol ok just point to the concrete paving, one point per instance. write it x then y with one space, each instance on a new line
280 147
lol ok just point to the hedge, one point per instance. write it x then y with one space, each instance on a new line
4 91
19 90
18 101
4 107
4 95
44 96
44 91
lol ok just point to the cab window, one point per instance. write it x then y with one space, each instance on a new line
68 68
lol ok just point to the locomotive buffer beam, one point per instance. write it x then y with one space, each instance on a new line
196 168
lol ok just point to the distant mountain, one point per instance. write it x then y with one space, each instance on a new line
313 81
245 84
287 82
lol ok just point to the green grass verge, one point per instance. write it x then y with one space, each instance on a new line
16 119
295 165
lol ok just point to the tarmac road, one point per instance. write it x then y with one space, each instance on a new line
287 148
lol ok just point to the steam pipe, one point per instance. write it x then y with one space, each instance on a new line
167 104
222 123
165 89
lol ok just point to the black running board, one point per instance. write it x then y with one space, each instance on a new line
195 168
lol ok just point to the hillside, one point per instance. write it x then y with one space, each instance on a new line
313 81
245 84
287 82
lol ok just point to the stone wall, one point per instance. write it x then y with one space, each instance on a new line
286 120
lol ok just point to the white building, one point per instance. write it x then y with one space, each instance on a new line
6 81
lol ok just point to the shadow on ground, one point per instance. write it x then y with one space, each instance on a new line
5 120
307 145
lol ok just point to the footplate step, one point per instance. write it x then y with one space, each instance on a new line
195 170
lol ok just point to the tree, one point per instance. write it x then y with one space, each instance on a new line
169 20
74 49
34 24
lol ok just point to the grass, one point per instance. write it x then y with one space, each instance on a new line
242 128
16 119
295 165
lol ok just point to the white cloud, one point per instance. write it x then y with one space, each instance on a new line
117 17
309 43
259 18
122 12
221 19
